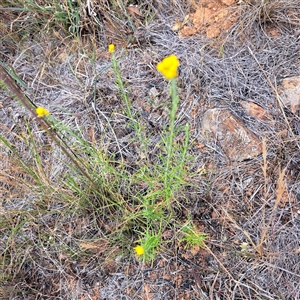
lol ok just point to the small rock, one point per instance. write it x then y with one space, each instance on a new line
237 141
153 92
290 93
256 111
228 2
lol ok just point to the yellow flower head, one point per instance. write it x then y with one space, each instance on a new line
139 250
168 66
40 111
111 48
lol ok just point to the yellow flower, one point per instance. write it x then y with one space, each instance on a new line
111 48
168 66
40 111
139 250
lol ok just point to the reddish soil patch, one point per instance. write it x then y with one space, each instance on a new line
212 17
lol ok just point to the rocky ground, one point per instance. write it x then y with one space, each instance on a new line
239 88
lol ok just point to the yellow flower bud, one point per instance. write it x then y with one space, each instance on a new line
40 111
111 48
139 250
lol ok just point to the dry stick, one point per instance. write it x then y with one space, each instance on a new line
280 191
10 84
264 147
211 288
239 228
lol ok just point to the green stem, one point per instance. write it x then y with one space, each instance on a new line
171 136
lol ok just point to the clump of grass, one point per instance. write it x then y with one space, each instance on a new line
82 20
40 14
191 236
255 16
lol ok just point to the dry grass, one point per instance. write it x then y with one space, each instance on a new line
261 17
60 243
